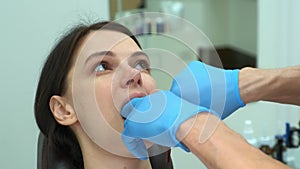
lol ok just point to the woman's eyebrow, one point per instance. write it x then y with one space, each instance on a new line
139 53
110 53
99 54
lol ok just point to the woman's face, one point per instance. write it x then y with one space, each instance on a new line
110 69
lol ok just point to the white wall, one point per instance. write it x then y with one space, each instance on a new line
279 33
28 31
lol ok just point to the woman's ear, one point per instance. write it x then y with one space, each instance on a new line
63 112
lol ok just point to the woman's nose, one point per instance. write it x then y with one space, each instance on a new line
132 77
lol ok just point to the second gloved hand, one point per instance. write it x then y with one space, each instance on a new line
208 86
155 118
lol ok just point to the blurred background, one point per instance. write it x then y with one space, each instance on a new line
257 33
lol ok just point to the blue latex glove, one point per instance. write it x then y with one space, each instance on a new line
210 87
155 118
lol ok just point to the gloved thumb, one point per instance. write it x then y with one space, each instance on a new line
127 108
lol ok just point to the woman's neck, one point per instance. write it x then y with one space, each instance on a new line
95 157
105 160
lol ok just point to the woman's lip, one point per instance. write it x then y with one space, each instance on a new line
132 96
136 95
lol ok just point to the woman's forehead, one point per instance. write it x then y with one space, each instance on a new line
103 40
106 39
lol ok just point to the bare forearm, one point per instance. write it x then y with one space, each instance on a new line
276 85
217 146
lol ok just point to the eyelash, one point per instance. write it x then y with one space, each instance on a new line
106 66
145 67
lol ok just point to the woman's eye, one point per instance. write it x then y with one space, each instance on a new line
142 66
101 67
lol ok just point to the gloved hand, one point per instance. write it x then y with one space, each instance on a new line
210 87
155 118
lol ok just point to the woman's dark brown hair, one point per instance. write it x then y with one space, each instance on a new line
53 82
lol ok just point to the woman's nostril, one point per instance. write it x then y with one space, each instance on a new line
139 82
129 81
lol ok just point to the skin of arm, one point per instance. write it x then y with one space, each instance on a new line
275 85
224 148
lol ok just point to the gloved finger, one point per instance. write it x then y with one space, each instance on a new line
136 147
185 84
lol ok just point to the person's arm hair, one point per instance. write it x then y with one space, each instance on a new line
276 85
223 148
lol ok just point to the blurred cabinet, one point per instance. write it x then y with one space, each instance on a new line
230 57
123 5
